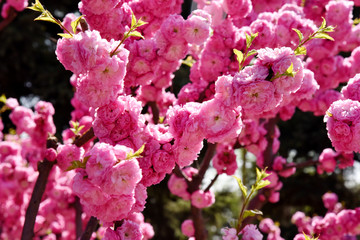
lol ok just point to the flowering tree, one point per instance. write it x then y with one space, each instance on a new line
252 63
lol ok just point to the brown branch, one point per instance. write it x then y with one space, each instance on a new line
197 179
44 169
11 16
268 153
211 183
91 227
198 221
78 219
84 138
155 111
179 173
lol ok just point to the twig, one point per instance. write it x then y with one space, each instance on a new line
211 183
198 220
155 111
84 138
91 227
44 168
78 219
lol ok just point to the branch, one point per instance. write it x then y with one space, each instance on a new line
197 179
84 138
211 183
78 219
155 111
268 153
198 220
91 227
44 168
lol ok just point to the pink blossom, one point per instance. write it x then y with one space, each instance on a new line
330 199
129 230
187 228
238 9
197 29
250 232
225 160
201 199
68 153
229 234
327 160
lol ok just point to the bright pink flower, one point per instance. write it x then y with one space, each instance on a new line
187 228
329 200
229 234
68 153
129 230
225 160
201 199
250 232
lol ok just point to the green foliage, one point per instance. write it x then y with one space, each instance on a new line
78 164
320 33
136 154
241 57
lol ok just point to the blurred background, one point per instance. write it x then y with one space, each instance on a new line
29 71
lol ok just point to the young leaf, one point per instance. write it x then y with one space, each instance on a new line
135 154
37 6
252 52
75 165
45 16
308 238
140 23
323 24
242 186
189 61
65 35
300 51
323 36
133 20
3 98
261 184
76 23
300 35
290 71
251 213
136 34
260 175
239 57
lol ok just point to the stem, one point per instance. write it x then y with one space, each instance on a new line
91 227
113 52
246 202
78 219
84 138
243 167
198 220
44 169
268 153
211 183
155 111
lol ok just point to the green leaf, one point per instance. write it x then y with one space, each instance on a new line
140 23
261 184
329 29
47 17
189 61
136 34
252 52
260 175
239 57
3 98
250 39
300 35
300 51
75 23
135 154
251 213
323 24
323 36
308 238
37 6
290 71
65 35
243 188
133 20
